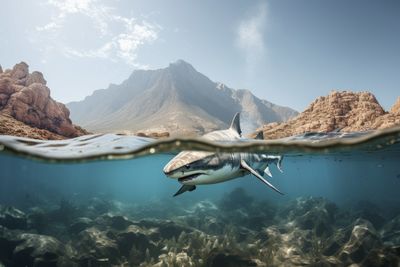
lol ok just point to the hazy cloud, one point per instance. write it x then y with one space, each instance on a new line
120 37
250 36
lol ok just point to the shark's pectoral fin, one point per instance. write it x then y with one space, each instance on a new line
185 188
245 166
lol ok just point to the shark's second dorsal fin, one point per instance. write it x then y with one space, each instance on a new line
260 135
235 124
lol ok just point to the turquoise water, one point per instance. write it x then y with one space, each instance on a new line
340 178
346 175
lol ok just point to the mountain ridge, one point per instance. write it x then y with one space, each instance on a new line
177 99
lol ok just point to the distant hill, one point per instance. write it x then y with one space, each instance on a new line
176 99
339 111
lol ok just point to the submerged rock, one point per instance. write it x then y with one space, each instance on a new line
112 221
167 229
8 241
363 240
391 232
335 242
80 224
95 244
37 250
12 218
316 214
370 212
135 244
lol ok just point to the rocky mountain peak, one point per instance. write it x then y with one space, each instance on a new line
180 63
340 110
345 103
182 68
177 99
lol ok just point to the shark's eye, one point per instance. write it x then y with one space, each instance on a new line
187 166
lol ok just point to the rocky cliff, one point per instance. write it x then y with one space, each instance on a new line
345 111
396 107
27 109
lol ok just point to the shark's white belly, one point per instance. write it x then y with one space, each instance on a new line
218 176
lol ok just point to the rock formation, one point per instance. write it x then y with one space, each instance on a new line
345 111
27 109
396 107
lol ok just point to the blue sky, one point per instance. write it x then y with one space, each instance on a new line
288 52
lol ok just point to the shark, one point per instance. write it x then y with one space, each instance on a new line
193 168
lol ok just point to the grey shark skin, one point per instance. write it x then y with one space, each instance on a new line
193 168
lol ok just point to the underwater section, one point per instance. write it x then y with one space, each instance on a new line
107 202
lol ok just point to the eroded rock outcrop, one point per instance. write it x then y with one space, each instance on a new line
345 111
24 97
396 107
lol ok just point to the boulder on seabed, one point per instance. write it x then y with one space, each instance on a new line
94 245
37 250
391 232
362 240
80 224
12 218
370 212
311 213
167 229
135 243
108 220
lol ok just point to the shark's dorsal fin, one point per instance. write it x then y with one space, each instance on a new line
235 124
245 166
260 135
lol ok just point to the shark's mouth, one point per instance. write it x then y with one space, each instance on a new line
189 177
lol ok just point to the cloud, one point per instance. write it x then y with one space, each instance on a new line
120 37
250 36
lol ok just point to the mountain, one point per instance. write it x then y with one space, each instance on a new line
345 111
27 110
175 99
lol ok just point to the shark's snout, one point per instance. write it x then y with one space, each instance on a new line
171 171
168 172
